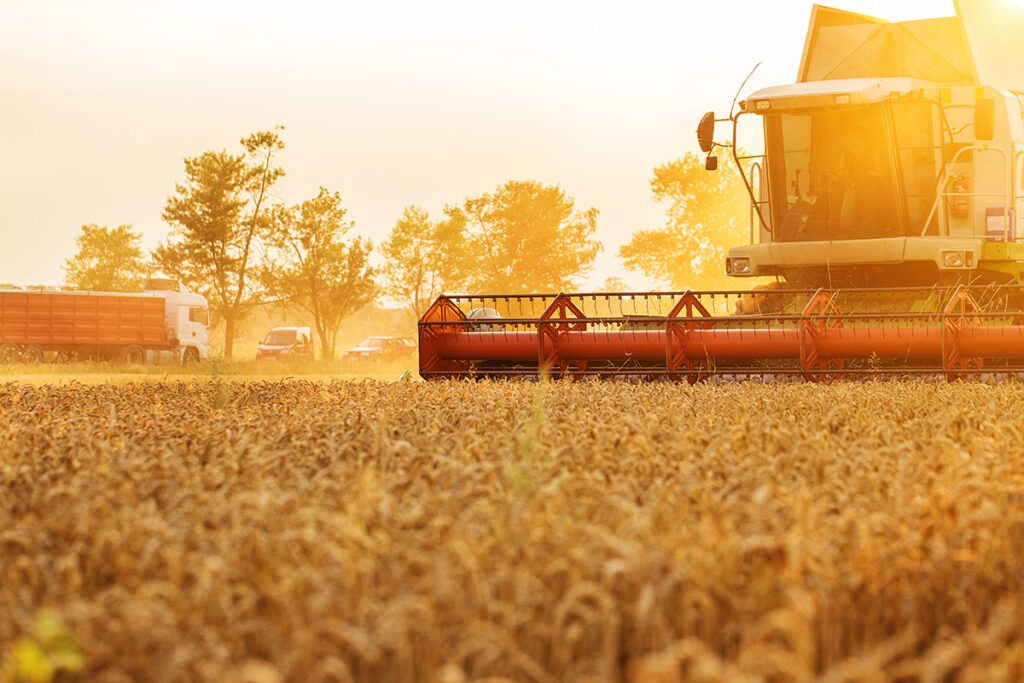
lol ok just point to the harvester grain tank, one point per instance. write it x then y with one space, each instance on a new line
887 204
164 323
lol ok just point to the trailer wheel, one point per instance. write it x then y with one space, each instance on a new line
134 355
32 353
9 353
190 356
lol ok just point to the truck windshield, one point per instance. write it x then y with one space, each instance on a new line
852 174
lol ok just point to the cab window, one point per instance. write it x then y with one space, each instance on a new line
199 315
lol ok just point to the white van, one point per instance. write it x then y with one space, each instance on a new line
286 342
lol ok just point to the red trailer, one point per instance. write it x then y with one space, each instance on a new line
91 325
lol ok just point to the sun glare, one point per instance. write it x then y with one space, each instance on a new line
392 103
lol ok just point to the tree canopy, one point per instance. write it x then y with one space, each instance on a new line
108 260
527 237
706 214
217 216
423 258
313 266
522 238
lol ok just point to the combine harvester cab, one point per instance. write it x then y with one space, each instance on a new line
896 159
888 205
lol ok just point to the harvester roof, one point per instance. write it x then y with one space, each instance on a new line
975 46
821 94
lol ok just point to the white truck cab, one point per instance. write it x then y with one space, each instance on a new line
186 316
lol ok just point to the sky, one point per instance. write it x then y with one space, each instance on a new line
391 103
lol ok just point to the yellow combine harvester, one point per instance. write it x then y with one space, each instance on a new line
888 203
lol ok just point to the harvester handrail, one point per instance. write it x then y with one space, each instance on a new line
941 193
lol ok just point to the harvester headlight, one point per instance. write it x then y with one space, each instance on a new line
842 99
954 259
762 105
737 266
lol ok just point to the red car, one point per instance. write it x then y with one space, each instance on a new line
382 348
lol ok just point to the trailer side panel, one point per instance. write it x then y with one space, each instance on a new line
73 319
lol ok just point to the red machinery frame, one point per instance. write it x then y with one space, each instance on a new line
815 335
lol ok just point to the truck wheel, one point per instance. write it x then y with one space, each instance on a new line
134 355
9 353
32 353
190 356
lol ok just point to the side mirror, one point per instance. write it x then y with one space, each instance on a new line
711 163
706 132
985 118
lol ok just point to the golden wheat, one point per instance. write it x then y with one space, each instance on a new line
455 532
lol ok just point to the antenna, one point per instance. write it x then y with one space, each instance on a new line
740 89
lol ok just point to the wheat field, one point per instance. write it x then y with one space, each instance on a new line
455 532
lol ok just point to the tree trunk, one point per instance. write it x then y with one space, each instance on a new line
229 336
326 350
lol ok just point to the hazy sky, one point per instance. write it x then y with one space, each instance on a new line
389 102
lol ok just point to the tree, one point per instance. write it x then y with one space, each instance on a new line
706 214
423 258
108 260
315 268
217 216
613 284
526 237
